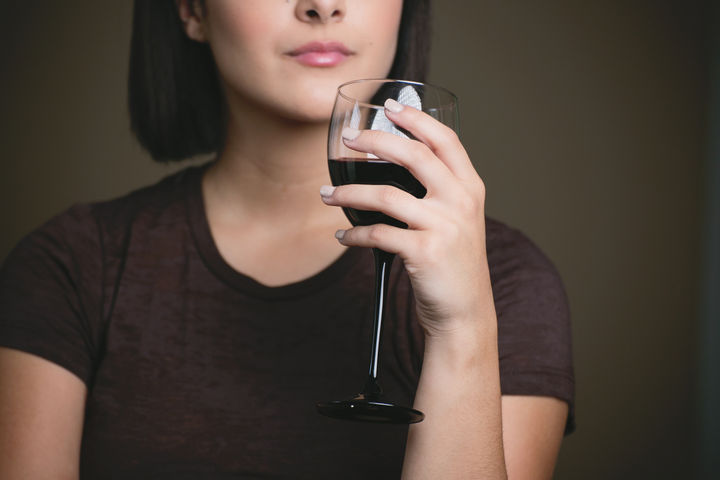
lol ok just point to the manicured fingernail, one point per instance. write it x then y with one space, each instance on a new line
350 133
326 190
340 234
393 106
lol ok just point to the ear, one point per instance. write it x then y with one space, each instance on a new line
191 15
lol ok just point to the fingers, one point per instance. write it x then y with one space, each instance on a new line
387 238
386 199
437 159
441 139
411 154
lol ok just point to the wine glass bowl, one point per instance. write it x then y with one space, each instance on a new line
359 105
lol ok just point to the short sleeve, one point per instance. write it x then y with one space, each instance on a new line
51 292
534 333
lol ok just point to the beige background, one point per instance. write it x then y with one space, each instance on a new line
584 118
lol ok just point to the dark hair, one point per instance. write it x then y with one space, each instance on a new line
174 94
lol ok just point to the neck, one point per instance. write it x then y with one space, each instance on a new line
270 168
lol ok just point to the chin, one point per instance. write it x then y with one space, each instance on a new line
317 99
310 113
315 104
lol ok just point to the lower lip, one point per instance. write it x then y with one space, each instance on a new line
320 59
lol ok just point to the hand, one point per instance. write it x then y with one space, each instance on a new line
444 246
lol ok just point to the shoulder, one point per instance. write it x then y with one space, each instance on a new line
56 284
519 268
84 227
526 285
511 248
534 331
148 204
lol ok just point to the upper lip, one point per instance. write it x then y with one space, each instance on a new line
321 47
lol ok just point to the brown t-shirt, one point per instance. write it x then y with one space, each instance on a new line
195 370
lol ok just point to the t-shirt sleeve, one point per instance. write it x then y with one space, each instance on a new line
534 336
51 292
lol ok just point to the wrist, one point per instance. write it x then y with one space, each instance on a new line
458 317
468 345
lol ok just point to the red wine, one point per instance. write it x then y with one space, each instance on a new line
373 172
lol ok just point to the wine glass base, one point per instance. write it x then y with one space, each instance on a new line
361 410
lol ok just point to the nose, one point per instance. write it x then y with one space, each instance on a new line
320 11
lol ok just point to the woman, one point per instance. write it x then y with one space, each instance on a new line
187 329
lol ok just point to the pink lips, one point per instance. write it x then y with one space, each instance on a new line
321 54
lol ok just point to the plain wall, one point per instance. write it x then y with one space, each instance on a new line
709 338
585 119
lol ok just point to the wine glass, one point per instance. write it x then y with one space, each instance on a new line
359 105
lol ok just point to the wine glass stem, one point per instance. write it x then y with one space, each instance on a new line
383 262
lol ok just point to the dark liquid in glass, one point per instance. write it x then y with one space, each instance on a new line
373 172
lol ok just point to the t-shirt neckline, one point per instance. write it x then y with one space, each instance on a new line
204 242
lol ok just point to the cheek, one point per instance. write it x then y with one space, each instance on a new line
239 35
382 33
241 25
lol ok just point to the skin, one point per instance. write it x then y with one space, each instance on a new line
265 187
41 417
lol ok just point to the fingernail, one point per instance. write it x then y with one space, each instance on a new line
340 234
350 133
393 106
326 190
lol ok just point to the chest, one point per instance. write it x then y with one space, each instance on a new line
199 378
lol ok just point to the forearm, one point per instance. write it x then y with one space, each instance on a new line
459 392
443 251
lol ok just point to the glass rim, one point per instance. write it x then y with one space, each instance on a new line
454 98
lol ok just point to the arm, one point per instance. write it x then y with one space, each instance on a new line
41 418
443 250
533 429
462 436
459 392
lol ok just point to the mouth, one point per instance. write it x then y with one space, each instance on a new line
321 54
